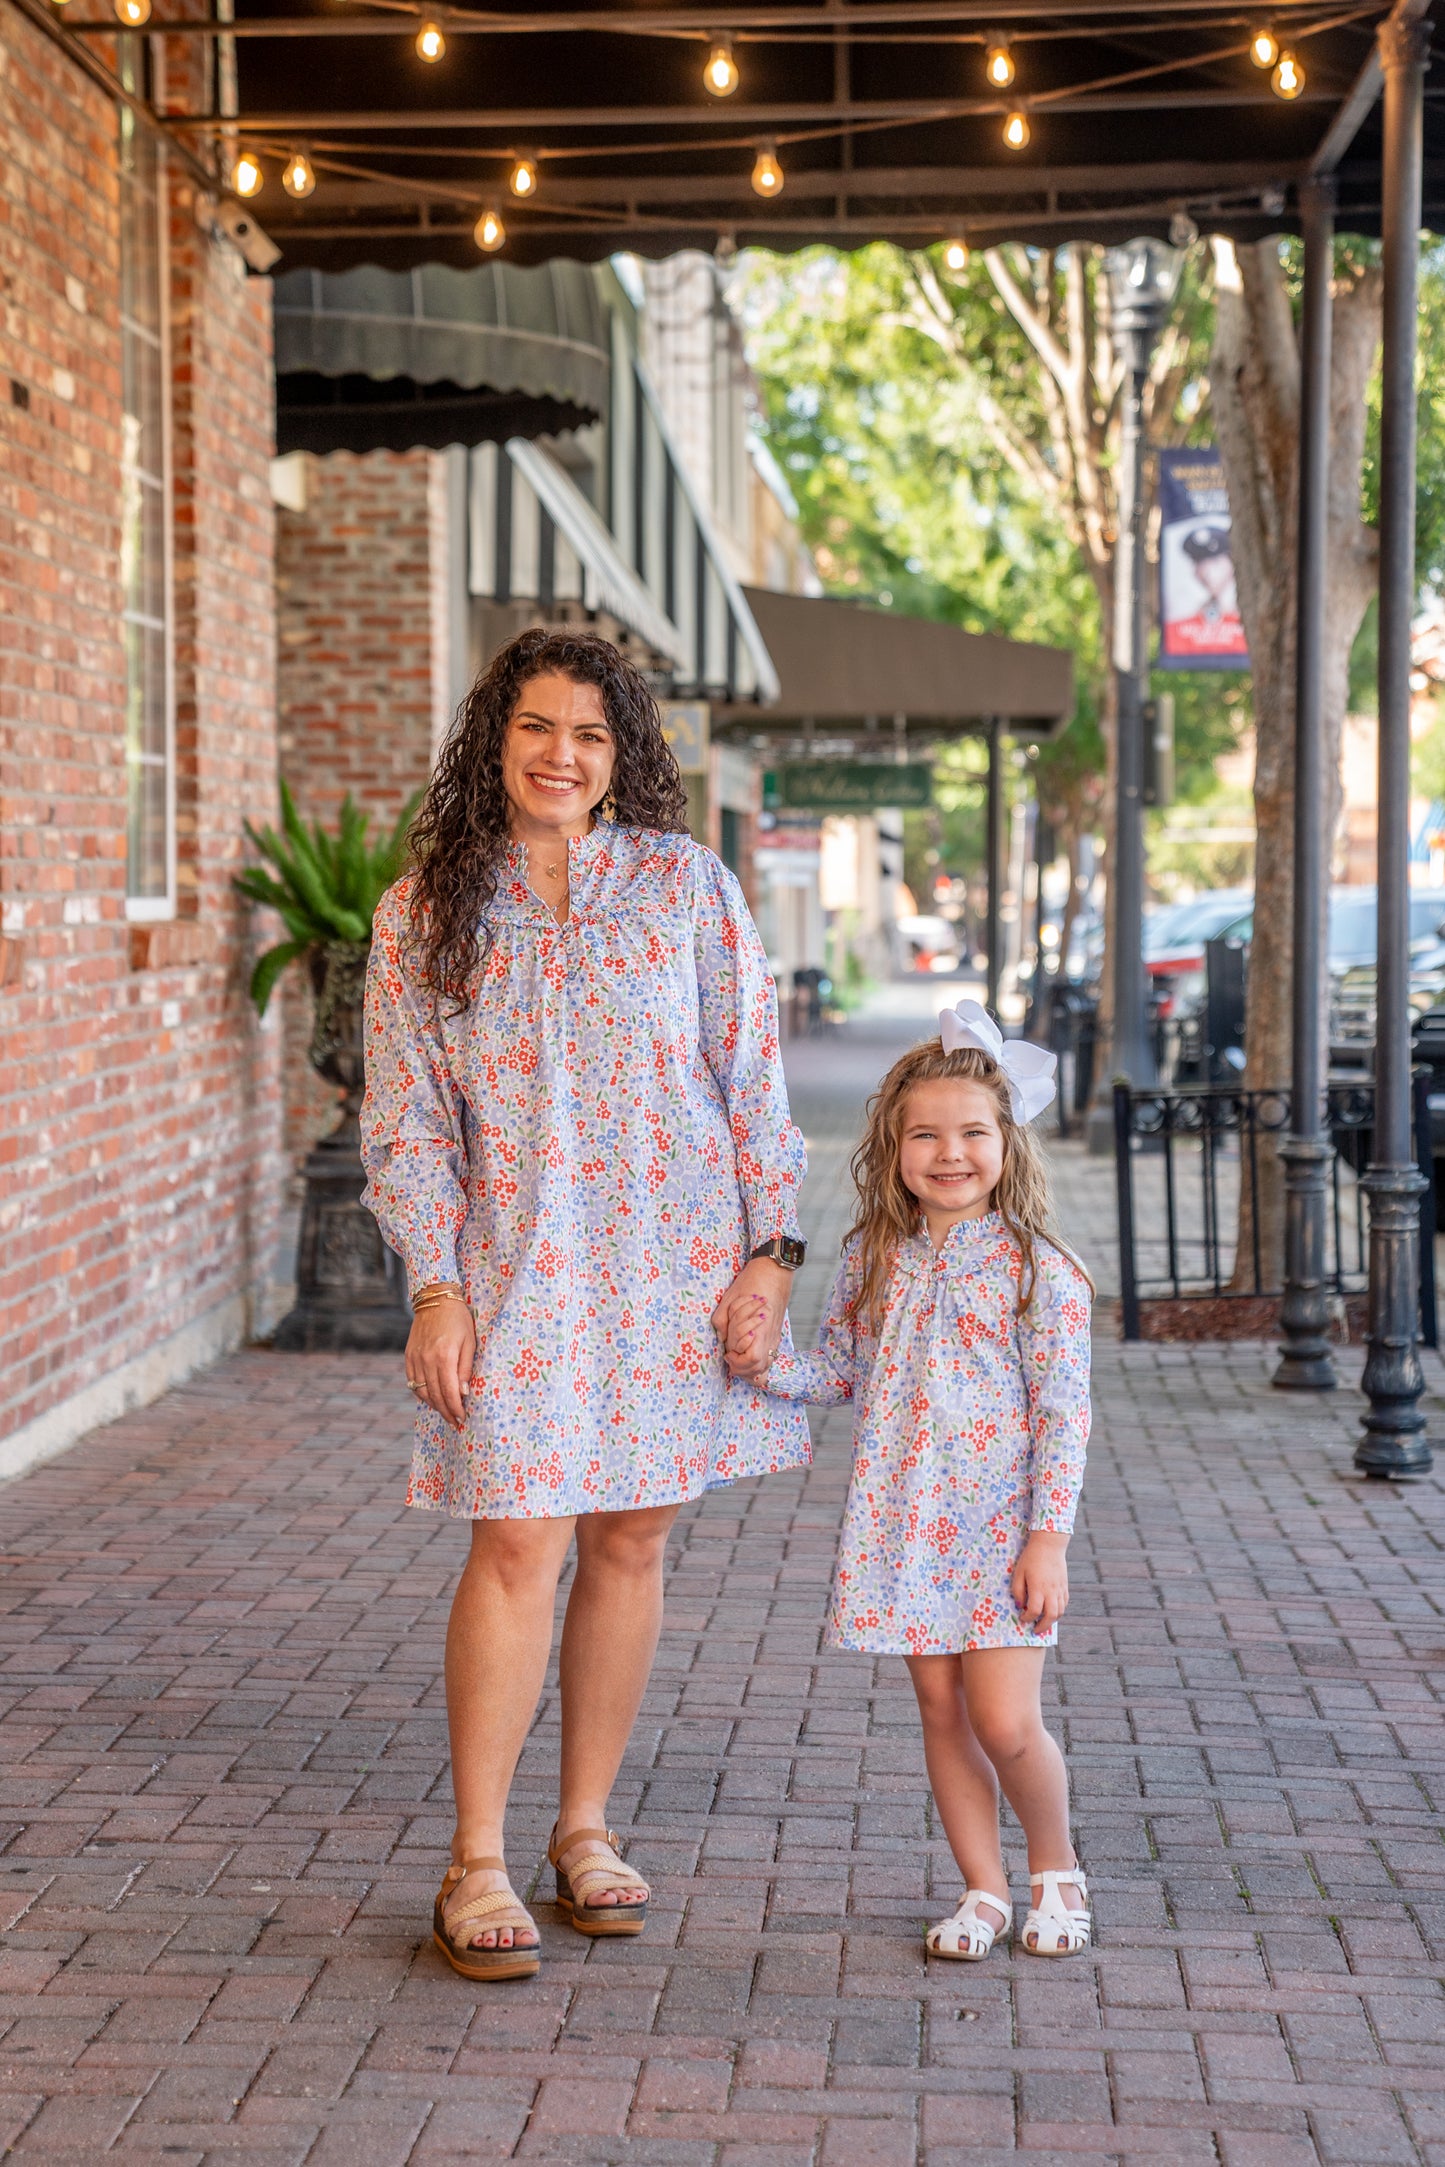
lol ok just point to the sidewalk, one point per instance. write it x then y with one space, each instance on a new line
225 1808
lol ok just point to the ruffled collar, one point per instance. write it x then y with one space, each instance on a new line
963 1242
581 849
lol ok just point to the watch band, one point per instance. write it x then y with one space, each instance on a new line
784 1249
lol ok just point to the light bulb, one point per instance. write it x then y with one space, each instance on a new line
297 177
1288 78
1264 47
720 76
955 255
430 44
999 62
247 174
489 232
767 173
522 180
132 12
1016 130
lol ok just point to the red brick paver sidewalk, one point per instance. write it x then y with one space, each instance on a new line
225 1810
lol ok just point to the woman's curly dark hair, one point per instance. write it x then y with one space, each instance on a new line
460 836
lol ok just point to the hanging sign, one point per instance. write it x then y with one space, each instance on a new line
1199 621
846 787
685 726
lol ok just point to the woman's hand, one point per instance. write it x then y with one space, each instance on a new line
752 1341
439 1356
1040 1581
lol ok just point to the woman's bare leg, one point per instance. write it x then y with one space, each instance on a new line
498 1640
965 1789
609 1638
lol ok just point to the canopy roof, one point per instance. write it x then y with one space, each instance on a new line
847 670
884 123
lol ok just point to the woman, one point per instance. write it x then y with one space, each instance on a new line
577 1137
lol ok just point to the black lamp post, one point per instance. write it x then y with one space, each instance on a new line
1394 1442
1143 278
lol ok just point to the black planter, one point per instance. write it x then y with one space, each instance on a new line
351 1292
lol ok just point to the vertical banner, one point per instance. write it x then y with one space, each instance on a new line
1199 623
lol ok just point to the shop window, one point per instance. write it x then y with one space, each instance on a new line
145 543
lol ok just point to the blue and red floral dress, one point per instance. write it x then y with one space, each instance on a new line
592 1148
969 1431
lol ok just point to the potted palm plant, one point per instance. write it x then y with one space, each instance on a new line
324 887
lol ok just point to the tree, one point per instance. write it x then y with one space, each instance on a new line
1255 394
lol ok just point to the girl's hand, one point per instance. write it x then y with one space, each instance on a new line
439 1355
1040 1581
760 1280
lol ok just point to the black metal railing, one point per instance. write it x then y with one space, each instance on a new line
1188 1169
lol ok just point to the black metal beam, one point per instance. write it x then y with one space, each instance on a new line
701 23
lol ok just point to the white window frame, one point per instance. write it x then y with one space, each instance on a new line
152 909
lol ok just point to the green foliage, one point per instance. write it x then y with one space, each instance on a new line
1427 761
324 888
1430 411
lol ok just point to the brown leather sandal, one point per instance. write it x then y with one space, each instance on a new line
499 1907
596 1870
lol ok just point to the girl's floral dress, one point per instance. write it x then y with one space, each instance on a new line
592 1149
969 1430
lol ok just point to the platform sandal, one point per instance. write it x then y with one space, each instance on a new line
500 1908
966 1938
1051 1929
594 1871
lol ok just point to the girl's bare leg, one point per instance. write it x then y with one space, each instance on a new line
1001 1689
614 1616
498 1640
965 1788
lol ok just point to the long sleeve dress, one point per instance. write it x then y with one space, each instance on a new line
593 1147
969 1430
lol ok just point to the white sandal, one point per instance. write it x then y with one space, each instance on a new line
966 1938
1067 1931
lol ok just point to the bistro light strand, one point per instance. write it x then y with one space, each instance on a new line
720 76
430 44
247 174
132 12
522 180
998 62
489 232
1016 130
1288 79
1264 47
298 178
767 173
955 255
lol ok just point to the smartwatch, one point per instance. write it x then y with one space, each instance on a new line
784 1249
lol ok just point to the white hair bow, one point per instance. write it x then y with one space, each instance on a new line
1030 1070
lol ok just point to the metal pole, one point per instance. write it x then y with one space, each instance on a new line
1306 1363
1393 1441
993 846
1133 1053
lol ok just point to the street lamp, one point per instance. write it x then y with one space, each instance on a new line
1143 279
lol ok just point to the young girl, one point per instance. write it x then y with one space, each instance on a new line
959 1325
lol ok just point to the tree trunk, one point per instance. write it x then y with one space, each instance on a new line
1255 392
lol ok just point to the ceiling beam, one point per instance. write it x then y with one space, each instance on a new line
1354 111
672 22
769 119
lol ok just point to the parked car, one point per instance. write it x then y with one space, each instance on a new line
1174 938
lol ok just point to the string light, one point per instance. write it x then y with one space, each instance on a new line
767 173
955 255
1288 78
1264 47
489 232
1016 130
247 174
720 76
297 177
998 62
522 180
430 44
132 12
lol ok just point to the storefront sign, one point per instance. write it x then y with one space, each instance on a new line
854 787
685 726
1199 622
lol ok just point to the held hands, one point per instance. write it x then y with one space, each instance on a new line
439 1355
1040 1584
749 1318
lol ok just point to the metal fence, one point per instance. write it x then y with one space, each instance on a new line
1188 1162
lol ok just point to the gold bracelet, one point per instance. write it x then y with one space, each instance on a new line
429 1297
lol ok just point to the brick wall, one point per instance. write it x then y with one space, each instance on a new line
362 685
139 1101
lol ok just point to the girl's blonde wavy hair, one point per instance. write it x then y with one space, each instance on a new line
888 1213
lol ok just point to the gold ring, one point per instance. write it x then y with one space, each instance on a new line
413 1386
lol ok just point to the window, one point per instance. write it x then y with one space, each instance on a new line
145 537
